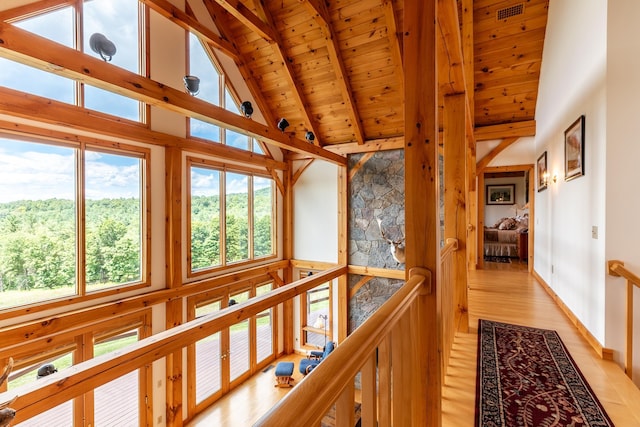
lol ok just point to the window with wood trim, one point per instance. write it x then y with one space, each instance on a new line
215 90
128 393
219 362
316 314
72 25
238 227
73 220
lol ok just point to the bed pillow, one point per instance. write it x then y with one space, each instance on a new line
508 224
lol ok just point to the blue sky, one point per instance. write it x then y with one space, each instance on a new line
40 171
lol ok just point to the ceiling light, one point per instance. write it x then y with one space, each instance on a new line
247 109
192 84
102 46
310 137
283 124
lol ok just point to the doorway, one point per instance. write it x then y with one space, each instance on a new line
506 218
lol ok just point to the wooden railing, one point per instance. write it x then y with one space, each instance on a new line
447 299
73 382
388 351
616 268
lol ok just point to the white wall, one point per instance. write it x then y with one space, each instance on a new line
316 213
623 173
572 83
493 213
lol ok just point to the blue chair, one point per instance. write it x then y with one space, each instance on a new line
314 358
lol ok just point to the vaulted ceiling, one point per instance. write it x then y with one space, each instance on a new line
335 67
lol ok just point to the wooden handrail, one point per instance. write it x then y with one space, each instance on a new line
57 388
450 246
616 268
309 401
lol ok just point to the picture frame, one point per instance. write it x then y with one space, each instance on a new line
501 194
574 150
541 170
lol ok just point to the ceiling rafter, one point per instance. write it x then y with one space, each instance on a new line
169 11
395 42
248 18
275 40
217 14
321 16
30 49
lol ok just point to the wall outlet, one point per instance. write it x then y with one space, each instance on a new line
594 232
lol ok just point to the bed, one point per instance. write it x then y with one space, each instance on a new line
503 238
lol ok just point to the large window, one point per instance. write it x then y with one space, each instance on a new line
213 89
117 20
128 393
72 220
234 228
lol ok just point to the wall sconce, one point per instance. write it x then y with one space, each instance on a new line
192 84
545 178
102 46
555 177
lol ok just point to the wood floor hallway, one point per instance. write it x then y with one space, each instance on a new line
516 297
511 296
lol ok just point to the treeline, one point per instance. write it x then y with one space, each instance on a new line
38 239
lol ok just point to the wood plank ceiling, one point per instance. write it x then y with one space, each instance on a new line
334 67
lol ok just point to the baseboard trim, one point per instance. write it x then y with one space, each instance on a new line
603 352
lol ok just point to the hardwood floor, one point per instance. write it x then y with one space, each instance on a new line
507 295
515 297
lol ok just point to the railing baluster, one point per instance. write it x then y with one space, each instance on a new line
617 269
368 375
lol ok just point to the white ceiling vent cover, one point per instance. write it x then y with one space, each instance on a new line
509 12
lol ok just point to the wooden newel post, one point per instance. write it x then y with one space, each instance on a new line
421 199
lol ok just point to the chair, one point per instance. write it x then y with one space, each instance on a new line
314 358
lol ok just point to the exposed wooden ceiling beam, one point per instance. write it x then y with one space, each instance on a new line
451 78
395 42
275 40
321 16
172 13
370 145
484 162
77 119
219 17
248 18
27 48
519 129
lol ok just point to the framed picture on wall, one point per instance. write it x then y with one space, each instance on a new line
574 150
504 194
541 168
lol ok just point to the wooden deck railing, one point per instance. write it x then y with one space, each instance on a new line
386 350
58 388
617 268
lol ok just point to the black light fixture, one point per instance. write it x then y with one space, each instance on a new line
247 109
102 46
192 84
283 124
310 137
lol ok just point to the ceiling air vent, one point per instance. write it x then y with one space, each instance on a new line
509 12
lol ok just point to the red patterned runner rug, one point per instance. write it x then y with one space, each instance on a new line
526 377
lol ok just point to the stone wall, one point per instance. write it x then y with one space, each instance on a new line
376 191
